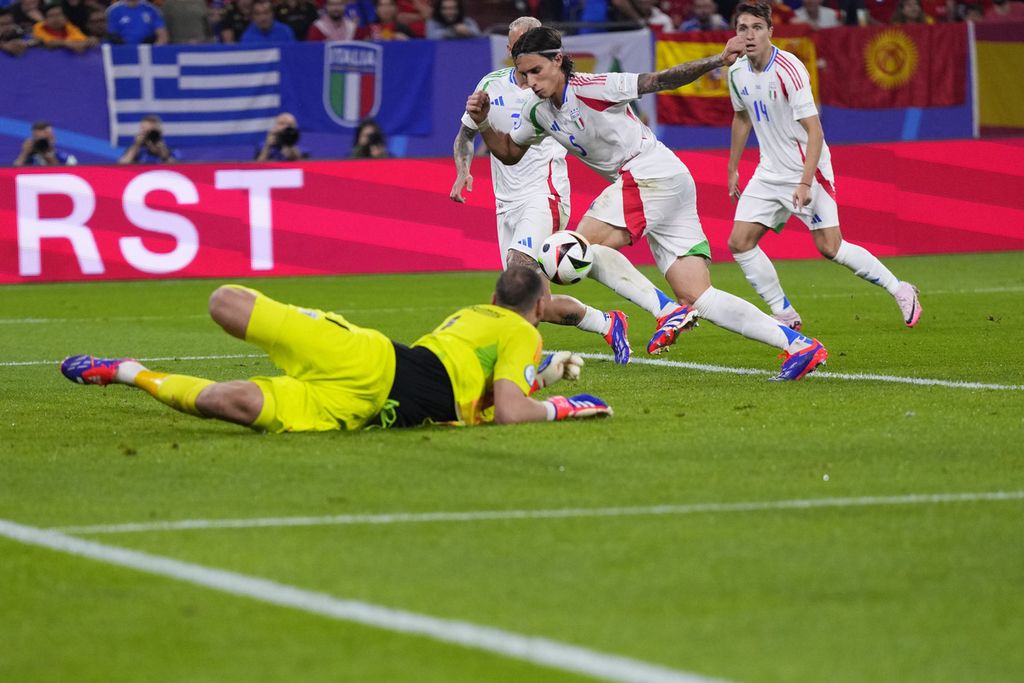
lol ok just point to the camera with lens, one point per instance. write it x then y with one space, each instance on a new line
288 137
41 146
154 136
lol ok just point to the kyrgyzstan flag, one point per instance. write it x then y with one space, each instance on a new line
705 102
894 66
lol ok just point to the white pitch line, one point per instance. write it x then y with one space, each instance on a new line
563 513
920 381
532 649
701 367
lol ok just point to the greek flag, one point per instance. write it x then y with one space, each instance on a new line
201 93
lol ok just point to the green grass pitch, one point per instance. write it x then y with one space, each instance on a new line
869 584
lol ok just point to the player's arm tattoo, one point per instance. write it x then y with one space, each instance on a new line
679 75
463 147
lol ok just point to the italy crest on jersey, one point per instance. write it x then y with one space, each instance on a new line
352 76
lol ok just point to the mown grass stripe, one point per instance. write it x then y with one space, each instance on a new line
562 513
532 649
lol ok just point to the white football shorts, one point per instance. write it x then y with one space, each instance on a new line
525 225
662 209
771 205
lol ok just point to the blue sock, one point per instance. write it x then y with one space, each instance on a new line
793 335
666 302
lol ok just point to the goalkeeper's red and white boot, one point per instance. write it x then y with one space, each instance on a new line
86 369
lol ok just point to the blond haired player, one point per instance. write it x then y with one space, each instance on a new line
771 94
479 365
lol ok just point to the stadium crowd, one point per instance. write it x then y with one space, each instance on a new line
79 25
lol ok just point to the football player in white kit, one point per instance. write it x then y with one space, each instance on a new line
651 194
771 95
531 198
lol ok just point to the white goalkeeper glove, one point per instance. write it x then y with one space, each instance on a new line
558 366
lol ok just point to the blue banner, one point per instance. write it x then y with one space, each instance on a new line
230 94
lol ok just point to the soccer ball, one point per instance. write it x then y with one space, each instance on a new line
565 257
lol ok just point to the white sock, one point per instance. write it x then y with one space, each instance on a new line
127 371
613 270
762 276
864 264
594 321
736 315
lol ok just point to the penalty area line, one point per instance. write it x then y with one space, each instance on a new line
558 513
532 649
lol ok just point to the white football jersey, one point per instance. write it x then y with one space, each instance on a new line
776 99
596 124
542 170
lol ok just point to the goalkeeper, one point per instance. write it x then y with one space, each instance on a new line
479 365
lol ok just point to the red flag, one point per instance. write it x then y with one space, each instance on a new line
893 66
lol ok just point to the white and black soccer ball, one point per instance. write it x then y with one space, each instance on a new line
565 257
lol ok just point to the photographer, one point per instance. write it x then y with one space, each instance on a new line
41 149
149 146
369 142
282 143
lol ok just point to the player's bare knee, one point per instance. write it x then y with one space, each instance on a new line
237 401
514 257
230 307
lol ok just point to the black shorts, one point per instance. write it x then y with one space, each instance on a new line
422 388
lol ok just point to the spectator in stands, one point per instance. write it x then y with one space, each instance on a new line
149 146
77 11
55 31
298 15
705 17
971 12
816 16
13 39
96 26
910 12
1005 10
134 22
338 22
282 143
27 13
264 28
369 142
414 14
235 21
651 15
187 21
449 21
40 149
387 26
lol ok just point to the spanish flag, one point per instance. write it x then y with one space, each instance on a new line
999 51
907 65
705 102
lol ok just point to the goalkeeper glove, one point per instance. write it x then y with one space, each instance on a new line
580 405
557 366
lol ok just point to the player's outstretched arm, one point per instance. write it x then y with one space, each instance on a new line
512 406
681 74
741 127
501 145
462 153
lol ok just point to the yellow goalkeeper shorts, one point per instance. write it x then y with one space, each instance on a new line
337 375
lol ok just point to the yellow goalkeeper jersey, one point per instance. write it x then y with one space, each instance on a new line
479 345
